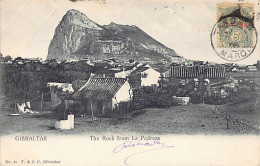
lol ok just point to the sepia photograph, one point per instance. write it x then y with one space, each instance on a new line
129 82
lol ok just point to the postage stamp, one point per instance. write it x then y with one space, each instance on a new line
234 36
235 25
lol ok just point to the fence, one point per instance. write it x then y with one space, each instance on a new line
198 71
124 109
137 99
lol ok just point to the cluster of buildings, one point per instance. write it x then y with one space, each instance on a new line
228 87
230 67
180 67
21 61
111 86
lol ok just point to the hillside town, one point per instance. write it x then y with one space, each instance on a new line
112 88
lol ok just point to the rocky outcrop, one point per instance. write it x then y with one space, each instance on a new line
77 36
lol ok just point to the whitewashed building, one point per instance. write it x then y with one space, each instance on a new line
103 95
65 87
251 68
145 76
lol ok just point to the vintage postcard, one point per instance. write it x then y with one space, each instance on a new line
129 82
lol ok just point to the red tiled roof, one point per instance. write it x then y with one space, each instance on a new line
100 88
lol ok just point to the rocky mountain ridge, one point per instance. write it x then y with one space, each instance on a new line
77 36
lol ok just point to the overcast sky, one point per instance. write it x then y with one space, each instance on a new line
27 26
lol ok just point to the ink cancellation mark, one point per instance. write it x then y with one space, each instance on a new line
234 36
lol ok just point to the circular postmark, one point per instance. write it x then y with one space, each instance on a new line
233 38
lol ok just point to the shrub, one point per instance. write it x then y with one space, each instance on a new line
148 98
196 97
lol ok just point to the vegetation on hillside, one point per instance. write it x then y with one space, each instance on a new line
30 80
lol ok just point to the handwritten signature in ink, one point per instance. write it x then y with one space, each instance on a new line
155 145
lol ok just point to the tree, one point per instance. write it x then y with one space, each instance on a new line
8 58
1 55
258 65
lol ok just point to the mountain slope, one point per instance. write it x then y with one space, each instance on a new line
77 36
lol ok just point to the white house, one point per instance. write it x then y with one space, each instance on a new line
150 77
65 87
104 95
251 68
120 74
234 69
145 76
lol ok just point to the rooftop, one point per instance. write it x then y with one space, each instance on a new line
140 70
100 88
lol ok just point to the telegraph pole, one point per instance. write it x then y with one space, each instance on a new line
41 101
